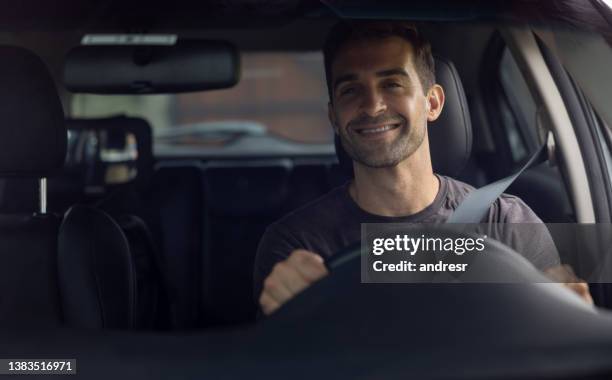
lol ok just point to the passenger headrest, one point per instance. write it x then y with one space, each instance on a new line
32 130
128 138
450 137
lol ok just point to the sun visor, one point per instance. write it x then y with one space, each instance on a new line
127 64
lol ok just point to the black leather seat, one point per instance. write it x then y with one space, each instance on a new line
160 214
32 145
96 271
450 137
110 270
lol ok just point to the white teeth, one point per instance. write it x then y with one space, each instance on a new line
377 130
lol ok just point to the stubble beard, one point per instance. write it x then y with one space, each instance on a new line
384 154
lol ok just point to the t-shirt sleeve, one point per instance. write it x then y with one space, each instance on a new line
526 233
275 245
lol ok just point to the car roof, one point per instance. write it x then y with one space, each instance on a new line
146 16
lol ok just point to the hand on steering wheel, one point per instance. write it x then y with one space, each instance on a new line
289 277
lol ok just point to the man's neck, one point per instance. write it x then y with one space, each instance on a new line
399 191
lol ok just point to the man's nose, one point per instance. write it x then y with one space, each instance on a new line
373 103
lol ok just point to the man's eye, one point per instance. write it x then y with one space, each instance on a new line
347 91
392 85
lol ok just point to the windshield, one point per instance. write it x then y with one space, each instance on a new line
199 229
281 93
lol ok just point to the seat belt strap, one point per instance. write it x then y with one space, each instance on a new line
477 203
472 210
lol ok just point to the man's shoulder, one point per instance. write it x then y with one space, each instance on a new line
512 209
507 208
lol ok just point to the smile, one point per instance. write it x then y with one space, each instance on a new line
376 130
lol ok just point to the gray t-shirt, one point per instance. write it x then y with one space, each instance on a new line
333 222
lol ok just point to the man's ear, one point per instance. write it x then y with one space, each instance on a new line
435 102
332 117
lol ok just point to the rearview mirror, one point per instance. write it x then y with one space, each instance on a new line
188 65
104 157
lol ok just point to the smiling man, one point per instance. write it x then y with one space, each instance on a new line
382 95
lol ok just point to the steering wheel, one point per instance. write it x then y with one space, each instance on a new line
499 265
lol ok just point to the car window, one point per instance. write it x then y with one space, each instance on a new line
604 134
279 94
517 108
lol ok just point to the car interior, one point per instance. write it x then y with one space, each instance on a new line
110 224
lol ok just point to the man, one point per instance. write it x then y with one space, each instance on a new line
382 94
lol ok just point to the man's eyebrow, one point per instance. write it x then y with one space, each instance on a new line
391 72
384 73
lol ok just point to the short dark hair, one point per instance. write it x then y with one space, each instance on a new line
354 30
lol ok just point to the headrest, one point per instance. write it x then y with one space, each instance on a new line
32 131
450 137
116 129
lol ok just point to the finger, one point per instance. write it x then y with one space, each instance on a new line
291 278
274 287
268 304
310 265
587 297
582 289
